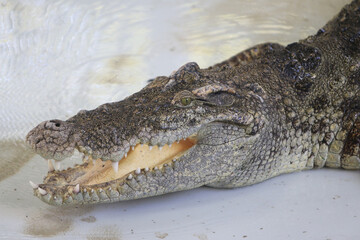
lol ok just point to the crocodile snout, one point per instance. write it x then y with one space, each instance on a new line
53 139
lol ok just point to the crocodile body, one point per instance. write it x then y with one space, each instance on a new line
269 110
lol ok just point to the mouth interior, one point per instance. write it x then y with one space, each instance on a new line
140 158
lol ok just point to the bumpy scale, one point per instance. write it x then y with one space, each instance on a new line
267 111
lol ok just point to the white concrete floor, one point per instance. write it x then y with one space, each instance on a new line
59 57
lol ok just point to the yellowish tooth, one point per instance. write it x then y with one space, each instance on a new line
50 166
33 185
138 171
115 166
76 188
57 165
42 191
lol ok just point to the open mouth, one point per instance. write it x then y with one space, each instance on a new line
96 174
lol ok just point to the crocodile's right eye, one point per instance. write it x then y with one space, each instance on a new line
185 101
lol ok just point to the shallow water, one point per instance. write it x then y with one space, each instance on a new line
58 57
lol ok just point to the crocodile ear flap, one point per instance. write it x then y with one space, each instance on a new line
216 94
204 91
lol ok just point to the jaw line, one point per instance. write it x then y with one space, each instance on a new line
80 177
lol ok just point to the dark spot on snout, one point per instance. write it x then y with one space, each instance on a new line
54 124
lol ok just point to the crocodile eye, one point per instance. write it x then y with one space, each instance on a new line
185 101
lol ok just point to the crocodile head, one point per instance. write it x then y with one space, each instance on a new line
175 134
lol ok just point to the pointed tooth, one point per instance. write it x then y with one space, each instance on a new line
146 169
178 141
57 165
150 147
33 185
42 191
94 162
160 148
50 166
170 145
138 171
125 155
76 188
132 148
130 176
115 166
156 168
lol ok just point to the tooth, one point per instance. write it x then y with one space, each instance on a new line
132 148
115 166
156 168
42 191
174 160
57 165
76 188
146 169
160 148
178 141
170 145
94 161
150 147
50 166
33 185
130 176
138 171
125 155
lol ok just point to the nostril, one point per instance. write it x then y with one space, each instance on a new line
56 123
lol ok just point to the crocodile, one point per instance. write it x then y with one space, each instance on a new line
269 110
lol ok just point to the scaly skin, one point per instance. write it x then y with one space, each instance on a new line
267 111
